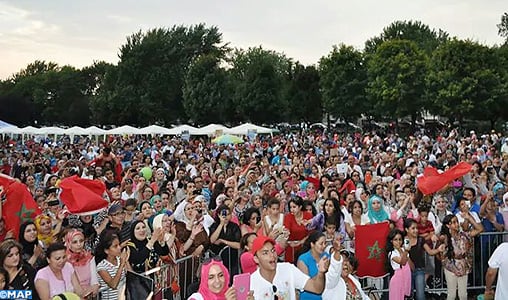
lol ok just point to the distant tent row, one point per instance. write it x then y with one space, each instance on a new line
209 130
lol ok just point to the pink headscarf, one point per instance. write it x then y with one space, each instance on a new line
203 285
80 258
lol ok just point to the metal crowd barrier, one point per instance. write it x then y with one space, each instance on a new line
186 271
483 246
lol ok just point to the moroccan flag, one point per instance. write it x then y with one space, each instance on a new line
432 181
83 196
370 241
19 205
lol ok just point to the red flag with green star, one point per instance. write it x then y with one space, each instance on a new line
370 241
19 205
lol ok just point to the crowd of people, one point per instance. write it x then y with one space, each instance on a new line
283 208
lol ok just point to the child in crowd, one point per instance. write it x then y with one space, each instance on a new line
397 263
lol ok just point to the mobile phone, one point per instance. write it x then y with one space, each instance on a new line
241 282
407 244
224 212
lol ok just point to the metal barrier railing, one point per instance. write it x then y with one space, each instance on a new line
483 246
179 280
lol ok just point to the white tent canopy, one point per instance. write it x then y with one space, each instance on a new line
244 129
154 129
94 130
10 129
76 130
126 129
211 129
51 130
29 130
179 129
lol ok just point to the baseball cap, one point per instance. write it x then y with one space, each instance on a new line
259 242
114 209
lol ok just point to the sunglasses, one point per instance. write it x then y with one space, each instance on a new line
208 260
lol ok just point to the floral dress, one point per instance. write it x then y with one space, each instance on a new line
462 261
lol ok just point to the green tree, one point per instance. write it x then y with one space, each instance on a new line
464 81
426 39
259 78
503 27
343 82
150 74
303 95
205 91
397 72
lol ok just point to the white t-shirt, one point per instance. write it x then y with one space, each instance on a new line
395 253
287 278
498 261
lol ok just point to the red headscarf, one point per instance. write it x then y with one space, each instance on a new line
203 285
76 258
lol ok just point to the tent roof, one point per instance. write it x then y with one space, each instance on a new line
154 129
5 124
244 128
178 130
212 128
126 129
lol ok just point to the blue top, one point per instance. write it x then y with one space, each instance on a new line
312 266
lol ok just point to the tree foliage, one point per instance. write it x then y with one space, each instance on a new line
258 78
343 82
188 74
464 81
503 27
426 39
205 96
303 94
397 73
150 74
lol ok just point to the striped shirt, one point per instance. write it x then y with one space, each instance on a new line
106 291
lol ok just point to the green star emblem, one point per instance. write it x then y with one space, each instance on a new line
375 252
25 214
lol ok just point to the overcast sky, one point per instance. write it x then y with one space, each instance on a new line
77 32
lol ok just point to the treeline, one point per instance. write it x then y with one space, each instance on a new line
190 75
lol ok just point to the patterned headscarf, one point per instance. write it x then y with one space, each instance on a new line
76 258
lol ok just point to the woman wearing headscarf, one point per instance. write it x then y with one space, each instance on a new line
143 256
376 210
164 239
214 283
45 233
82 260
32 252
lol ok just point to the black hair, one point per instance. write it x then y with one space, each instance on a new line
337 214
352 205
298 201
408 222
389 248
106 239
244 240
314 236
305 204
53 248
130 201
273 201
6 276
248 214
446 232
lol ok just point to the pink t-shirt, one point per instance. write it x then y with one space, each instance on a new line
57 286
